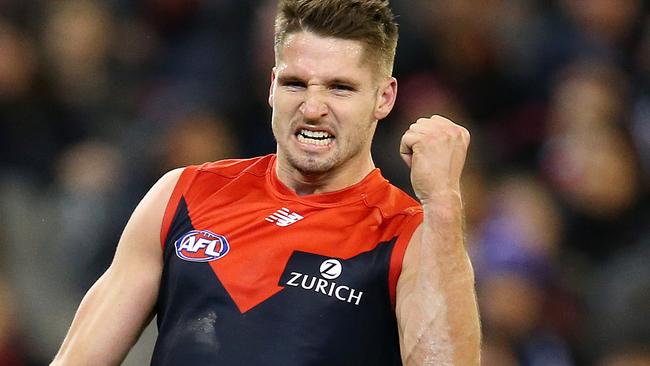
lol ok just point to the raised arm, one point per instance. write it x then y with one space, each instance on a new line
436 305
120 304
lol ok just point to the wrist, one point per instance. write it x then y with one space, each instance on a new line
450 198
443 208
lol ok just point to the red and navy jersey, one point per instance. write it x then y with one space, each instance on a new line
257 275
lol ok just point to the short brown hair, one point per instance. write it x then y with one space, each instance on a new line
370 21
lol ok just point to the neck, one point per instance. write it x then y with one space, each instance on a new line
336 179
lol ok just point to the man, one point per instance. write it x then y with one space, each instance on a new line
309 256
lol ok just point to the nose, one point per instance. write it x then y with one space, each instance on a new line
313 107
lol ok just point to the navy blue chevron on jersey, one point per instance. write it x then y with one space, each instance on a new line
256 275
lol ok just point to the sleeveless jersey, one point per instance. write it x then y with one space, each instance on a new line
257 275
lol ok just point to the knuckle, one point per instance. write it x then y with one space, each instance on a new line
407 137
437 117
466 135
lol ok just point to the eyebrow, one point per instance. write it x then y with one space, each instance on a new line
288 78
343 81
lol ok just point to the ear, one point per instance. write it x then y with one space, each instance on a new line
386 95
271 87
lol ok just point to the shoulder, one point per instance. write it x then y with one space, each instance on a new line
194 183
235 167
211 176
163 188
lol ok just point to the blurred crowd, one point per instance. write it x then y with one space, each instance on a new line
100 98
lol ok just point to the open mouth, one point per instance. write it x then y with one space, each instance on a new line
318 138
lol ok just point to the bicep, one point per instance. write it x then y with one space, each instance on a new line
133 278
420 308
406 306
118 306
435 304
408 275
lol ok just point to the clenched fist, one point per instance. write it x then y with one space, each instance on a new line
435 149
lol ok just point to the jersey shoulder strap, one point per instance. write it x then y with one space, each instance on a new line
199 181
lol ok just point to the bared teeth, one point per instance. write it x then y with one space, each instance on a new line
314 141
315 134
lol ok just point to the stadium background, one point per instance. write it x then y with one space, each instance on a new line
99 98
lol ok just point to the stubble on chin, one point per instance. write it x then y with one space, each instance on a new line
309 165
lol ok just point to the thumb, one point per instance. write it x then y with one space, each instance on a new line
407 157
406 148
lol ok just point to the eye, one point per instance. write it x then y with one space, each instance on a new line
341 88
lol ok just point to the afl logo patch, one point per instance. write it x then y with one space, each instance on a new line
201 246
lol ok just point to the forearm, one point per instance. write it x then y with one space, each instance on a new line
439 320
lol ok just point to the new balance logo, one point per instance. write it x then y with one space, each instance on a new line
284 217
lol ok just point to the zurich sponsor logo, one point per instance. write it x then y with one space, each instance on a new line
201 246
330 270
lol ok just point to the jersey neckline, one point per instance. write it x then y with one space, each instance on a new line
354 193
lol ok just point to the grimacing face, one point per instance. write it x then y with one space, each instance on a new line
326 103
